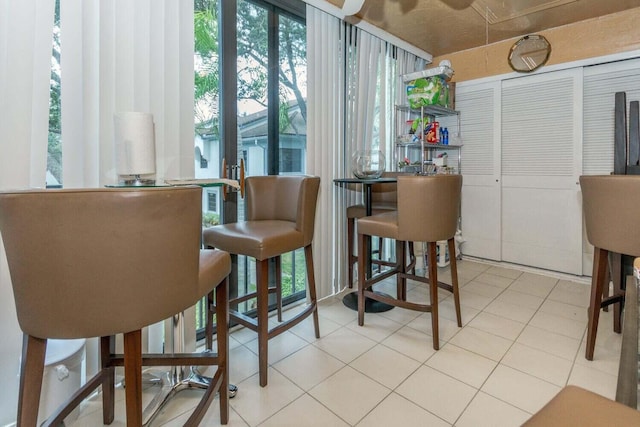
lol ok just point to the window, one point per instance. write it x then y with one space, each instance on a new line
54 149
291 160
212 201
269 106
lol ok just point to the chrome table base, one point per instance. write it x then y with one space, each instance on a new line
175 381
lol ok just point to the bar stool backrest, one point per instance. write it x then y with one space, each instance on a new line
611 206
428 207
96 262
284 198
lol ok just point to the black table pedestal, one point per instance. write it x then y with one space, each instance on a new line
351 300
370 305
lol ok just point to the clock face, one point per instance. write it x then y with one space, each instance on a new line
529 53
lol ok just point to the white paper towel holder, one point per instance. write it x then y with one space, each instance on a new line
135 150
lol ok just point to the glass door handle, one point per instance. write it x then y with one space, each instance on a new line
233 172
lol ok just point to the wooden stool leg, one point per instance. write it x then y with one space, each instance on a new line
616 277
351 225
133 377
433 287
363 251
600 266
208 329
222 322
279 287
107 348
311 278
31 371
262 279
454 279
401 266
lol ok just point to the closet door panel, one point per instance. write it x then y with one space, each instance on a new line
539 229
540 163
480 221
479 107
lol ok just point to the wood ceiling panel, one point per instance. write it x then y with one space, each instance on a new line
445 26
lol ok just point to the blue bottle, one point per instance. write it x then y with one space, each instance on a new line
445 136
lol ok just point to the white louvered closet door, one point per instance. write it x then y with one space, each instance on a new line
479 107
541 163
601 82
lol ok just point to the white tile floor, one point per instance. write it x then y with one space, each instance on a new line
522 340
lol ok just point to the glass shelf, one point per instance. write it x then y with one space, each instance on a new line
429 110
428 145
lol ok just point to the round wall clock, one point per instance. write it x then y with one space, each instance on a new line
529 53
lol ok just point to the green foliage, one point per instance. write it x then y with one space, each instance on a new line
207 67
54 156
54 146
252 52
210 219
288 268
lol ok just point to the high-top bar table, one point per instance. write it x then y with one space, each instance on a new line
351 300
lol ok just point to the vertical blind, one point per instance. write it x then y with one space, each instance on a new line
26 39
125 56
325 140
352 86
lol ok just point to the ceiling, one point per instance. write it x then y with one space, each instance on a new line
445 26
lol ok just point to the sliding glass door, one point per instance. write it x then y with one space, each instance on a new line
250 87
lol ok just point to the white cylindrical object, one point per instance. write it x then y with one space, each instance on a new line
135 145
62 376
443 256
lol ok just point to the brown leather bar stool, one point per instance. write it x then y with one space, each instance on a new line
610 204
95 263
428 211
384 199
279 218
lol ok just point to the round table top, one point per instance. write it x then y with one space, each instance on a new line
355 180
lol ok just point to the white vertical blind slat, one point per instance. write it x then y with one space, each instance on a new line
25 63
26 34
